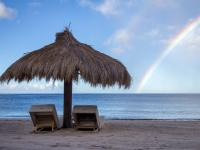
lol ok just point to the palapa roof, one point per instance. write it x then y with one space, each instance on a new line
65 59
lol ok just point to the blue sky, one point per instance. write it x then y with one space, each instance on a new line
134 31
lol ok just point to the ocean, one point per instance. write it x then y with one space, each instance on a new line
111 106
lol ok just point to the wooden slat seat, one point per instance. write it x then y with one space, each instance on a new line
86 117
44 117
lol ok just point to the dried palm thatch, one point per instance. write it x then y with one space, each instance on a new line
65 59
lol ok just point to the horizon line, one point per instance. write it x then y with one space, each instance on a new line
97 93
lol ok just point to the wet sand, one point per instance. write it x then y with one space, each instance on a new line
116 135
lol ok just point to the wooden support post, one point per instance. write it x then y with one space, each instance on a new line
67 119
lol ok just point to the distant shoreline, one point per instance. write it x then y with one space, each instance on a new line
28 118
102 93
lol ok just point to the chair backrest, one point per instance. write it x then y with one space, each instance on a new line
86 116
44 114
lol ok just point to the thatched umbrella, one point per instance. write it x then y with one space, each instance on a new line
65 60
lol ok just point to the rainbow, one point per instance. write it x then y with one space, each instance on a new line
178 38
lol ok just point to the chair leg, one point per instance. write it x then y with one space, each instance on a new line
36 127
52 126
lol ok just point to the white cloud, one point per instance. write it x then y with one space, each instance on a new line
120 40
160 34
118 7
108 7
45 85
6 12
12 86
123 38
32 86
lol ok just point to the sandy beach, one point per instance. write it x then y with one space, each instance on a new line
116 135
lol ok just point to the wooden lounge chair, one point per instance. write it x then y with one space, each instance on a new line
86 117
44 117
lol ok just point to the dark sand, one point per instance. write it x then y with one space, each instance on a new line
116 135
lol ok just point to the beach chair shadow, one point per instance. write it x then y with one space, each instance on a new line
86 117
44 117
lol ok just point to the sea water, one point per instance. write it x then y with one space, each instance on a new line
111 106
